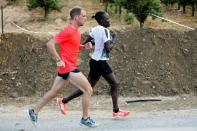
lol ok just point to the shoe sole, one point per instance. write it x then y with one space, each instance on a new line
33 123
119 117
93 126
60 107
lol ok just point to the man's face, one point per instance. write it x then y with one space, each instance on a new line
106 20
81 18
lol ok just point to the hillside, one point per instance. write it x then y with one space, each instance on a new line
146 63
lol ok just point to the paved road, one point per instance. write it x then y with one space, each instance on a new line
168 121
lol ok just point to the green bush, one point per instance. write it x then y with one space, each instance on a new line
47 5
128 18
110 10
142 8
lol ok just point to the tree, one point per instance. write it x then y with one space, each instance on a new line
183 3
193 3
116 3
106 2
12 1
142 8
119 3
179 6
47 5
111 2
169 2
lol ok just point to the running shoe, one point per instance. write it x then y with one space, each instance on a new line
32 116
120 113
87 122
62 105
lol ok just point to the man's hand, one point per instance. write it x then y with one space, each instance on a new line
88 45
114 37
60 64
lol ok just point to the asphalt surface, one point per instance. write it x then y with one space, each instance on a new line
168 121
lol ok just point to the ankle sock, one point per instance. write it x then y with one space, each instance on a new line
64 100
115 110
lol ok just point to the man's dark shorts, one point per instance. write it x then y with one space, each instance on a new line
65 75
99 68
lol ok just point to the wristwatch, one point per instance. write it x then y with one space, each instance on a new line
58 60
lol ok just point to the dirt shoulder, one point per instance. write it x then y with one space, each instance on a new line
102 104
177 113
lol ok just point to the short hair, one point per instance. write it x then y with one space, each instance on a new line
99 16
75 11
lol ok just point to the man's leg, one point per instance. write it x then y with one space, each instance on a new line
80 81
78 92
58 84
110 78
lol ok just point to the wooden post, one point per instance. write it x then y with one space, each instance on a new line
2 18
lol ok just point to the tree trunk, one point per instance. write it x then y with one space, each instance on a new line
46 12
2 19
141 25
106 5
116 9
179 6
120 10
184 10
193 9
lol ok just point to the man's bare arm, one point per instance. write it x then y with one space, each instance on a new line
89 39
109 44
51 48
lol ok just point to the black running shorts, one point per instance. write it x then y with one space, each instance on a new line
65 75
99 68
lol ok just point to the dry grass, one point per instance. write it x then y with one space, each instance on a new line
58 20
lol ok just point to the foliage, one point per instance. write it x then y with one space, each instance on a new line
169 2
128 18
47 5
142 8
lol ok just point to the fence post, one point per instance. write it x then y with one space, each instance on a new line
2 19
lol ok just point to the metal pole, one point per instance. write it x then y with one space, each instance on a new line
2 18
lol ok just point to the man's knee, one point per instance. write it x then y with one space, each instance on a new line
114 85
54 92
87 89
90 90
